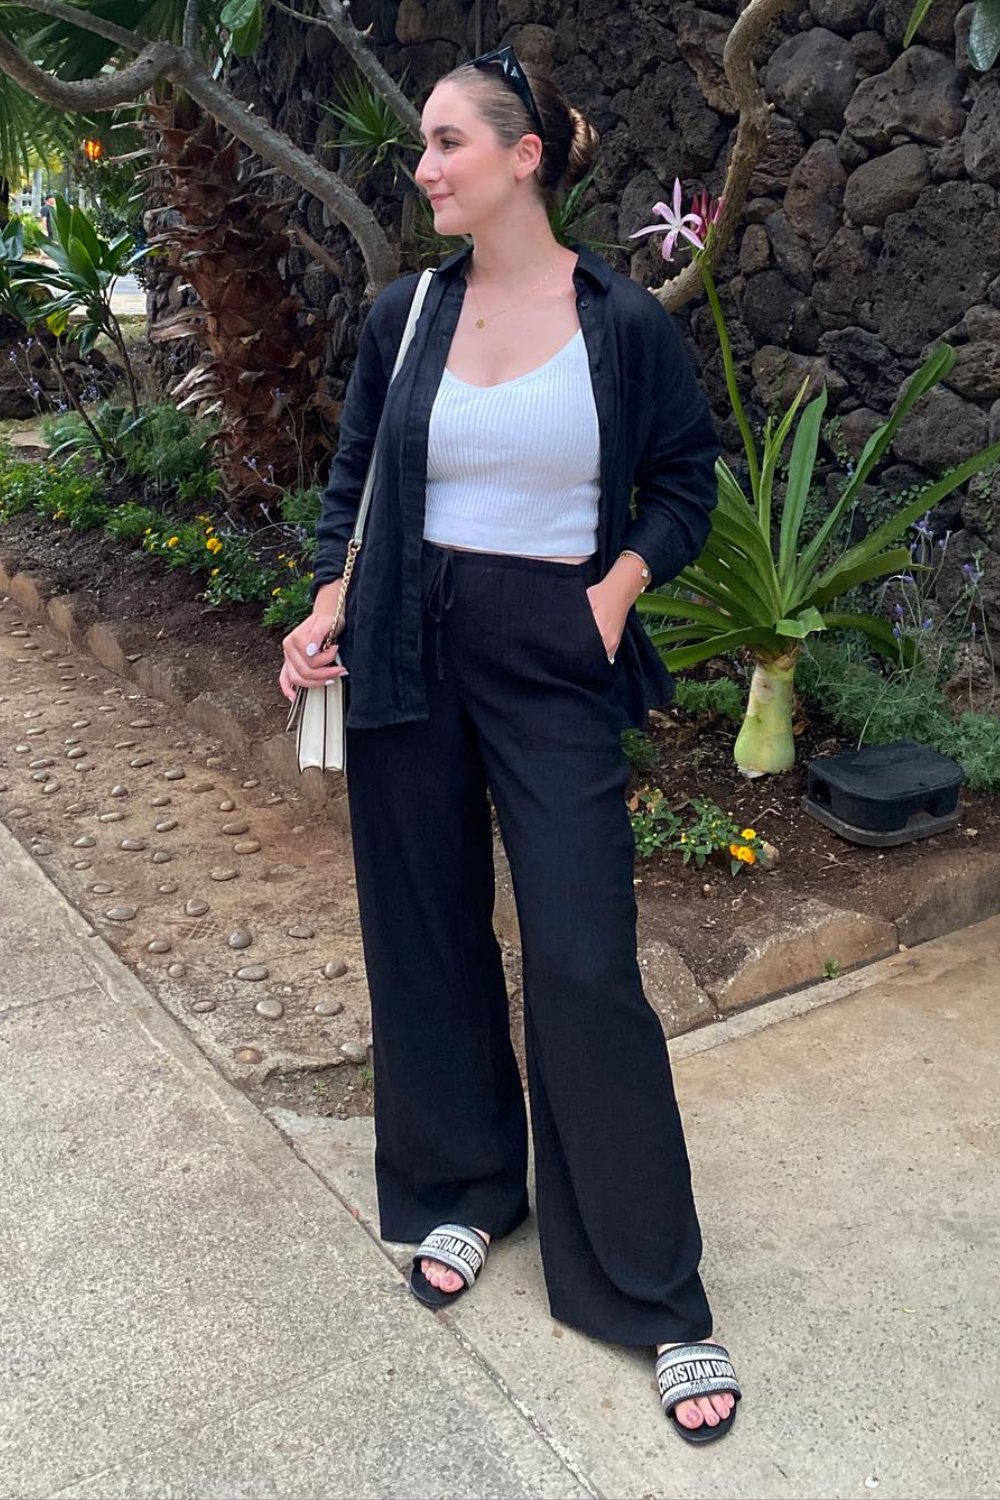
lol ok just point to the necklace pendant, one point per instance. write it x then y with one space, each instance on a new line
480 322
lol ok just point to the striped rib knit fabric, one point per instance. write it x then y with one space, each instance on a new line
515 467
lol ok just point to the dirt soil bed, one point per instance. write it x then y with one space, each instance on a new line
696 909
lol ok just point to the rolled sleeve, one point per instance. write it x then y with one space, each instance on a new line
674 480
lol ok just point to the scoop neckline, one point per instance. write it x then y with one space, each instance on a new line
517 379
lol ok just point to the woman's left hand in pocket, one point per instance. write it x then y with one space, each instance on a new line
610 612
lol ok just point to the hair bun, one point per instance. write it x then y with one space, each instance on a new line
583 148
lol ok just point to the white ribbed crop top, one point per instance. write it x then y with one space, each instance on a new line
515 467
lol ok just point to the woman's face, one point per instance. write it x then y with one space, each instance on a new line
465 171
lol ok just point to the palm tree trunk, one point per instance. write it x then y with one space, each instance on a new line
765 744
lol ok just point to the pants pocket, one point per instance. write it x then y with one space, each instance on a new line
593 645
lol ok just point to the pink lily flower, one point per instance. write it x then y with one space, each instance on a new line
678 225
707 210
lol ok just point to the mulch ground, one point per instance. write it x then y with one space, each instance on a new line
697 908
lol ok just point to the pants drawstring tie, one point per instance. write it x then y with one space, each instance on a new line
440 598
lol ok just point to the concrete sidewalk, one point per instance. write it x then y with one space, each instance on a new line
191 1304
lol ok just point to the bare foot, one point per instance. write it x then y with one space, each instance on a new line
708 1409
442 1276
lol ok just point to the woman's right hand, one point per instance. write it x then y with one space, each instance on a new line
310 668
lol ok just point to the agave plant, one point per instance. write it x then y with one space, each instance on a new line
369 126
759 583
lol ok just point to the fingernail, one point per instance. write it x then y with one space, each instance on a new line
312 648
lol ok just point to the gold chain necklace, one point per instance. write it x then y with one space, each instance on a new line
482 322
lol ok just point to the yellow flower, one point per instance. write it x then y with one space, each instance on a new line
148 531
280 556
291 563
214 573
213 544
274 592
172 541
748 833
741 852
209 530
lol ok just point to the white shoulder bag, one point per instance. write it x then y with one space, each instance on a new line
318 712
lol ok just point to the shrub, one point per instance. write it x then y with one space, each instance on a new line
876 708
711 831
720 695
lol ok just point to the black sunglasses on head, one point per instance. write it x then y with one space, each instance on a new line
506 61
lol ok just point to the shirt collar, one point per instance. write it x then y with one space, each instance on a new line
588 264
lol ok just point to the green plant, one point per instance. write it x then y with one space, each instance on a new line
200 486
130 521
758 584
101 434
86 266
25 299
33 234
720 695
369 126
18 484
638 749
226 555
62 492
81 508
289 603
831 968
711 831
975 743
172 448
872 706
568 218
876 707
366 1077
983 46
301 508
919 616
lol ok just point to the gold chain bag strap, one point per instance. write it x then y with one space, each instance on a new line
317 714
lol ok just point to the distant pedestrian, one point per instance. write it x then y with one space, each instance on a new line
47 210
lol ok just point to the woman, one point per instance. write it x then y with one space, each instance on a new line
493 649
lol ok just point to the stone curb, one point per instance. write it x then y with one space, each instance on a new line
220 710
950 891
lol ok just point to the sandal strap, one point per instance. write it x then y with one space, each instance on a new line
693 1370
458 1247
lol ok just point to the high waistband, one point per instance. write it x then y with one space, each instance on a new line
509 561
440 565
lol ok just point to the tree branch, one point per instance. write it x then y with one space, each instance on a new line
364 59
380 259
87 93
190 32
751 133
161 59
73 16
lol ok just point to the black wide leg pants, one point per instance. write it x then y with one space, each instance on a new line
520 706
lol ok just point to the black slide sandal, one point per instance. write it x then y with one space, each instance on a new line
460 1249
690 1371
